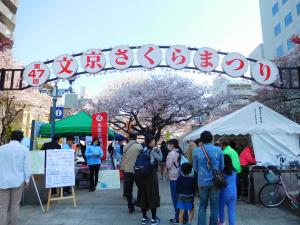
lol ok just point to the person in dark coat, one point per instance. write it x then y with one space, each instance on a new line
111 151
148 189
162 164
53 144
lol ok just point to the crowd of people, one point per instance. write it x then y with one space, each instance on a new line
190 173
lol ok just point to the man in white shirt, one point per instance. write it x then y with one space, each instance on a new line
14 176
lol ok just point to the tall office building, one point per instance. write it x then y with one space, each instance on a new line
8 10
280 19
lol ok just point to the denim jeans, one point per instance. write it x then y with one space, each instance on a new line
175 200
212 195
230 202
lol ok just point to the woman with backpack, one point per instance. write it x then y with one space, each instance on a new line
148 189
173 166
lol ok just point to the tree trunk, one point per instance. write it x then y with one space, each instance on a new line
157 135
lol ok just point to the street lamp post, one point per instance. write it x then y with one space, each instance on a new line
55 93
53 111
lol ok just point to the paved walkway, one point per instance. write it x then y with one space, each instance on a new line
109 208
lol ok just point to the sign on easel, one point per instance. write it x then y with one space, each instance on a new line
60 169
60 172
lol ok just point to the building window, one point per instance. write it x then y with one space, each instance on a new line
275 9
288 19
279 51
284 1
290 44
298 9
277 29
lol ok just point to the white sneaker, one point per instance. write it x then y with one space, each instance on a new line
155 222
144 221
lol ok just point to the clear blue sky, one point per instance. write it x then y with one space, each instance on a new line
48 28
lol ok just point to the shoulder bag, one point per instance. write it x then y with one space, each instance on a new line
218 176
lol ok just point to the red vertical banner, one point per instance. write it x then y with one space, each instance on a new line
100 129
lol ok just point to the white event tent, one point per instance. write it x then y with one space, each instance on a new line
271 133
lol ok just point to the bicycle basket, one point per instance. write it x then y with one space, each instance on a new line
271 176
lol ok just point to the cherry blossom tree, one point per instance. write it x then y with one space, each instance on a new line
286 101
9 107
12 103
149 105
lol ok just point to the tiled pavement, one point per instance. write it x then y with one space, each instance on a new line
109 208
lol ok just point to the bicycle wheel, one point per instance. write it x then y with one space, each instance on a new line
272 195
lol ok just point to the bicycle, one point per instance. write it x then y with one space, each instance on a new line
275 192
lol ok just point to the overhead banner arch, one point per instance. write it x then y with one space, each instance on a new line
150 56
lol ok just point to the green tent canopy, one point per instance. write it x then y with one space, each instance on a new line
78 124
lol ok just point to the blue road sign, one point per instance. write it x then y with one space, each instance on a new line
59 113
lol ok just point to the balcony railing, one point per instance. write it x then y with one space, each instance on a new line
11 4
5 31
9 16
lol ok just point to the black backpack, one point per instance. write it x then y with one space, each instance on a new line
143 166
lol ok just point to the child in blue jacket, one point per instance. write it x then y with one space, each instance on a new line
186 186
228 194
